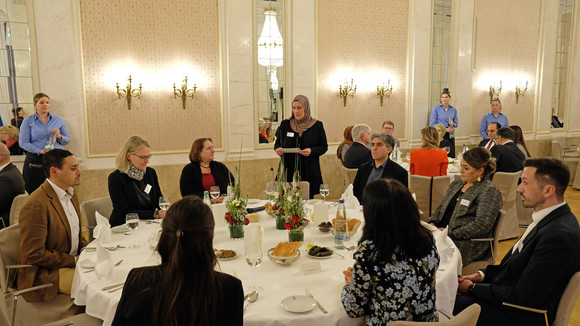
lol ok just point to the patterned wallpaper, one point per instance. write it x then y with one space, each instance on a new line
367 41
157 43
507 47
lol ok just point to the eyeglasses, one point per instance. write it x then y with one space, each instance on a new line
143 157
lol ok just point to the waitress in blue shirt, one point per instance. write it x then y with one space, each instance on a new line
35 133
446 115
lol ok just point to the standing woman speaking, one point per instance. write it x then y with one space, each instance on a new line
306 133
446 115
35 133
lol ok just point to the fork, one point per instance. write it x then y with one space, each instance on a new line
307 291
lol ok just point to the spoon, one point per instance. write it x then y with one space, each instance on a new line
252 297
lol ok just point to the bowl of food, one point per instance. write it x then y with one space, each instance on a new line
285 253
325 226
353 225
315 251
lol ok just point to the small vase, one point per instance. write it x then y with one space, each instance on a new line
280 222
295 235
236 231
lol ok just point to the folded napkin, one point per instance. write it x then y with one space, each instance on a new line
350 201
102 231
104 262
444 245
253 239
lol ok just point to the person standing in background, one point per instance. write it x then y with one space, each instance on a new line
494 116
446 115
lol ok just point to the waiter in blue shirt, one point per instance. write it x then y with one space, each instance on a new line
494 116
446 115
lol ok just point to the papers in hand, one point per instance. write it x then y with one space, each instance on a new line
291 150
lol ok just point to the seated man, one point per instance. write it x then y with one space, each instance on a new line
11 184
509 158
380 167
50 229
535 272
388 128
359 153
492 129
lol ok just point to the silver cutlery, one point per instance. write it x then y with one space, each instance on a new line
307 291
251 297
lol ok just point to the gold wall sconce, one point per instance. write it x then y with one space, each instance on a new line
383 90
129 92
521 91
494 91
183 92
347 90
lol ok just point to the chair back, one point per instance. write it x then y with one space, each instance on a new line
4 316
10 244
468 317
524 213
429 192
304 188
16 207
102 205
507 183
497 228
348 175
556 149
568 301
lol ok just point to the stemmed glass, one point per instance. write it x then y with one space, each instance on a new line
270 189
408 157
253 252
214 192
350 244
132 222
324 191
164 203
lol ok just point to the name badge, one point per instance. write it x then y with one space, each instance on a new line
464 202
289 134
148 189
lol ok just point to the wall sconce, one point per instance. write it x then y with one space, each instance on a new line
346 90
183 92
384 91
494 91
521 91
128 92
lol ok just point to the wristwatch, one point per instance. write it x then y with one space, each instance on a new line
470 288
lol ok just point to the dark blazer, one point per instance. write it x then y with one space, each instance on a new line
473 217
11 185
445 143
536 276
484 142
309 166
356 155
123 192
190 182
392 170
136 304
509 158
45 242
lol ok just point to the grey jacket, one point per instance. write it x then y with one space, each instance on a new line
473 217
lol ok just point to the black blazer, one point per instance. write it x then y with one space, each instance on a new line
11 185
483 142
536 276
356 155
392 170
509 158
122 190
190 182
136 304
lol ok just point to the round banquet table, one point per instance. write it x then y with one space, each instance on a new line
278 282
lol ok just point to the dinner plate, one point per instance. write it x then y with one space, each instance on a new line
87 263
298 303
253 201
229 258
319 257
120 228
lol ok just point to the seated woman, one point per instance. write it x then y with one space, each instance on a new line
519 140
395 264
134 187
203 172
471 205
346 143
443 143
263 135
185 289
9 135
429 160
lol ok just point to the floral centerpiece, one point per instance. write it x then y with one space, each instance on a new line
294 208
236 215
278 208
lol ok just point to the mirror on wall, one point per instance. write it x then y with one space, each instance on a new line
270 79
563 41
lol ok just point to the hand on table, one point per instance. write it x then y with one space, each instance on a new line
279 151
218 200
161 213
305 152
348 274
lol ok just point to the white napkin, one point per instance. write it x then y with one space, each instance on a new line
350 201
102 231
104 262
444 245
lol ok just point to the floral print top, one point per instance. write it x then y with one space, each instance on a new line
403 289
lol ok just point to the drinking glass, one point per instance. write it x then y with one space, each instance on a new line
214 192
270 189
324 191
132 222
350 244
409 157
164 203
253 252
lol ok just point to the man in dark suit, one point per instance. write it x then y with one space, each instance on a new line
509 158
380 167
359 153
535 272
11 184
50 229
492 129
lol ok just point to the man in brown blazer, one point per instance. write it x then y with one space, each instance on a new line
50 229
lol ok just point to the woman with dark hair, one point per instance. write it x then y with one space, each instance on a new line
395 264
346 143
204 172
185 289
471 205
429 160
519 141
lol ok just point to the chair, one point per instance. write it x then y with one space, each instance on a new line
507 184
348 175
304 188
102 205
467 317
16 207
524 213
569 157
429 192
565 306
576 177
477 265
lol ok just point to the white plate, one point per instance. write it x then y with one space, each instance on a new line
314 201
298 303
253 201
319 257
87 263
231 258
120 228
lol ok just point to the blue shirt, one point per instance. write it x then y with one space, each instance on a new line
34 133
376 172
442 116
489 118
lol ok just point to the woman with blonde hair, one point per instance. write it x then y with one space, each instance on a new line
9 136
429 160
443 143
134 187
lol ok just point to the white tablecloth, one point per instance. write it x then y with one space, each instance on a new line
277 281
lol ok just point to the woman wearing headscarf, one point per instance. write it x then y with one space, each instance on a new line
307 134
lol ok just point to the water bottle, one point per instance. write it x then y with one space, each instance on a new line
51 141
465 149
206 199
340 226
395 153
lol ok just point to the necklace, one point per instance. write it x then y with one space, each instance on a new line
206 167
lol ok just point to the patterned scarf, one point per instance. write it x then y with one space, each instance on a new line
135 173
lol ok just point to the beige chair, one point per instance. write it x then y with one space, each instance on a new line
576 177
524 213
429 192
467 317
304 188
348 175
490 259
102 205
16 207
507 183
565 307
569 158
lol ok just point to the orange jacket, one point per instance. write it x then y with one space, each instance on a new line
429 162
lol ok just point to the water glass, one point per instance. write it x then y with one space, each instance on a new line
253 251
164 203
324 190
214 192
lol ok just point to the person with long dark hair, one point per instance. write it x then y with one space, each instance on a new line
395 264
185 289
519 140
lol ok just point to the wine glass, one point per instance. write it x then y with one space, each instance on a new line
132 222
253 252
324 191
408 157
164 203
270 189
214 192
350 244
